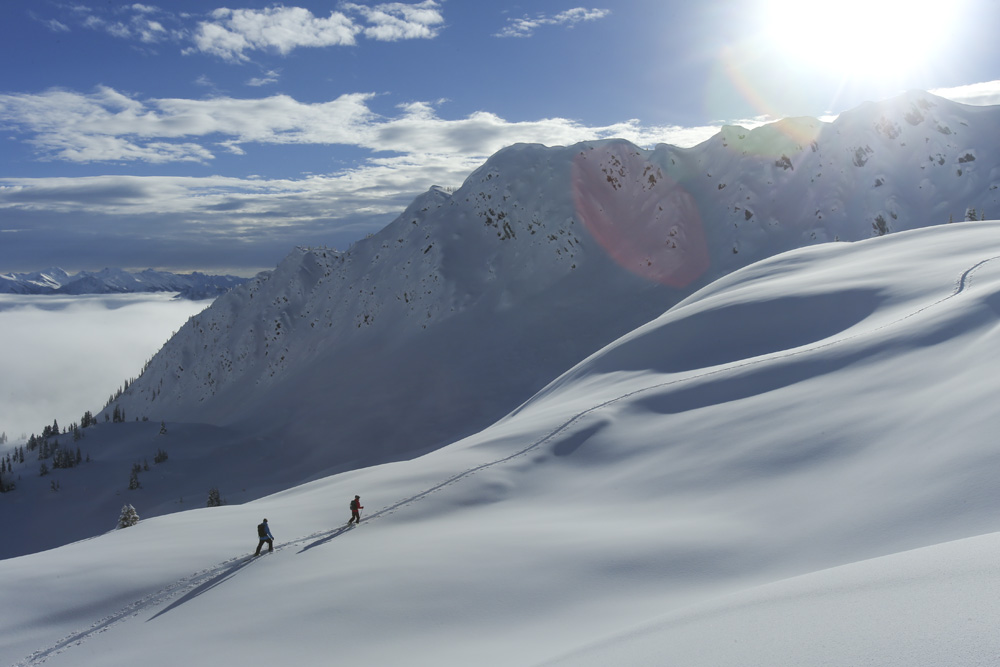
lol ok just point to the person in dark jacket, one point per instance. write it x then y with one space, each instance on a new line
356 508
264 533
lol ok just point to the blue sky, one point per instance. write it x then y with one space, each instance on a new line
190 135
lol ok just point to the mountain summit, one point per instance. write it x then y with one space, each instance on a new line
469 302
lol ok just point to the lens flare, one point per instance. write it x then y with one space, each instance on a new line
643 219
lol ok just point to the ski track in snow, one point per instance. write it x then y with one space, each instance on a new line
192 586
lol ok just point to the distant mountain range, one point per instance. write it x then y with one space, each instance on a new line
471 301
194 286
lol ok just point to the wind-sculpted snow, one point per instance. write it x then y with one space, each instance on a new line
472 300
707 337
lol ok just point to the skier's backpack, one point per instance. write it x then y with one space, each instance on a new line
262 531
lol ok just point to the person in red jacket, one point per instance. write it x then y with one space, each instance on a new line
356 508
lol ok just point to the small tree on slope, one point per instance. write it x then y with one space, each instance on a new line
129 517
214 499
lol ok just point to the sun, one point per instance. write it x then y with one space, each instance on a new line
858 39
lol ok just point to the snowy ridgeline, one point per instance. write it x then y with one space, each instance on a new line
679 497
542 257
195 286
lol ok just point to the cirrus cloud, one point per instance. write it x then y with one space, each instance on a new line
526 26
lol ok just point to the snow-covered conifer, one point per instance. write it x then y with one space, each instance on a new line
128 517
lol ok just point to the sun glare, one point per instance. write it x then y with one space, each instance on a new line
858 39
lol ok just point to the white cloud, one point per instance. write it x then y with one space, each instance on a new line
267 78
986 93
526 26
108 126
137 27
57 26
395 21
232 32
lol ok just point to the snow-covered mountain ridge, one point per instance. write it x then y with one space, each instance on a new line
468 303
117 281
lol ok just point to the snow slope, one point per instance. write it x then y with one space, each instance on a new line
472 301
930 606
670 494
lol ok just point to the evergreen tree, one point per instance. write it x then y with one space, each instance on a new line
133 480
214 499
163 428
128 517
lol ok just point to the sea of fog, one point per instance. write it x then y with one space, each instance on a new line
63 355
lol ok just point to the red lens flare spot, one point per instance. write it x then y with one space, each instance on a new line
643 219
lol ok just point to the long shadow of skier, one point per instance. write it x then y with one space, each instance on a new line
323 540
205 587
